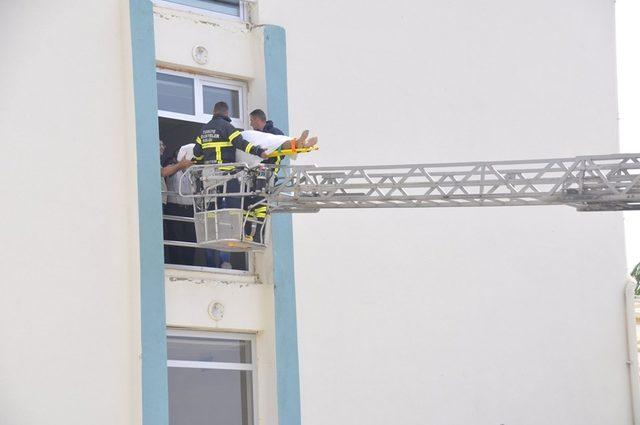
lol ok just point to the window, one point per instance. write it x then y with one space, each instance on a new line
212 378
228 8
176 94
190 97
212 95
185 102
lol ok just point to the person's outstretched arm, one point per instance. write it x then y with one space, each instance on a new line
239 143
170 170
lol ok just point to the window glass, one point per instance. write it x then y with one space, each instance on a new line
211 95
191 97
227 7
210 397
211 379
175 94
209 350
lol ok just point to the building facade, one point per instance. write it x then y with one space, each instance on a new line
440 316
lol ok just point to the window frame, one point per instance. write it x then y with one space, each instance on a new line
235 336
199 81
242 16
202 118
250 272
173 114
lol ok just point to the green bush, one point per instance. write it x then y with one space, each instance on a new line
635 273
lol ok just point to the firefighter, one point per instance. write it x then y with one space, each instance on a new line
217 144
258 214
259 122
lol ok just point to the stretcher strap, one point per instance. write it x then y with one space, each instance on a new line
292 151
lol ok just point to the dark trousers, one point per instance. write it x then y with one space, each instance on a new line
180 231
165 236
233 186
254 223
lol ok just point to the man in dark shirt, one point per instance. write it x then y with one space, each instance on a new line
257 215
219 140
217 144
258 121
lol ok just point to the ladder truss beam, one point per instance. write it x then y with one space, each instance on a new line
588 183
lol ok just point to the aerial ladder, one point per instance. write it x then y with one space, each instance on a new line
587 183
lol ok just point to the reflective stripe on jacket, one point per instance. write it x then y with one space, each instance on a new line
218 142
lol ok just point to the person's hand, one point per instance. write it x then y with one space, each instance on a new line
264 155
184 164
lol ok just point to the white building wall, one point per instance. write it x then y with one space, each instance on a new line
457 316
235 51
248 308
69 302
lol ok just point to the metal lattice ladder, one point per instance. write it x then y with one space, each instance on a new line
589 183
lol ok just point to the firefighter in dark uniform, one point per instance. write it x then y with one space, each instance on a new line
217 144
258 121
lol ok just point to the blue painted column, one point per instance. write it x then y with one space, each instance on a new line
275 57
152 305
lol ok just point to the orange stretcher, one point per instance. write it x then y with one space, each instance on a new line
287 152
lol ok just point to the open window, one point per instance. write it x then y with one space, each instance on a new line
185 102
